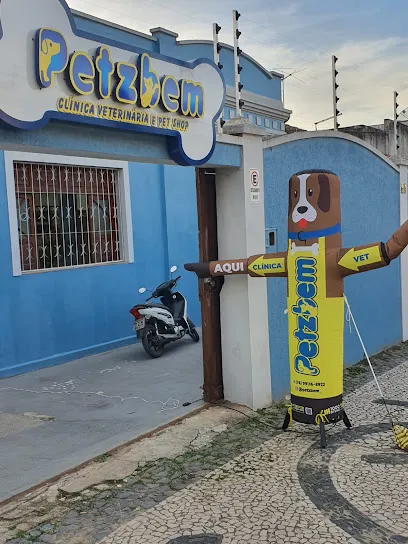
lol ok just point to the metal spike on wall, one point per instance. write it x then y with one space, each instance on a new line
396 129
335 73
217 48
238 68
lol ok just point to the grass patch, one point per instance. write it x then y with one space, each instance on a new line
23 534
356 370
103 458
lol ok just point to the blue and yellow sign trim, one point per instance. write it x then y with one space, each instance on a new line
125 84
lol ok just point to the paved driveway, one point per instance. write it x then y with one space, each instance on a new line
251 484
55 418
289 491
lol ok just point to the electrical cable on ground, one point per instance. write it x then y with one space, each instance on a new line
189 403
170 404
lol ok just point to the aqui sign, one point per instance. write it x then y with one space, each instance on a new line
51 70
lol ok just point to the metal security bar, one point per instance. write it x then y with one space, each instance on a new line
67 215
238 67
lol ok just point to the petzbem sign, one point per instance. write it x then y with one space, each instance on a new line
50 69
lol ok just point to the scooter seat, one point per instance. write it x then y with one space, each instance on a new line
154 305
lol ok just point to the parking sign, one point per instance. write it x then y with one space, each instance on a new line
255 190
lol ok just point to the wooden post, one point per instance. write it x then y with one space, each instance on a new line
209 288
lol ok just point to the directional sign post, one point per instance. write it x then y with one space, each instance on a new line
264 266
355 258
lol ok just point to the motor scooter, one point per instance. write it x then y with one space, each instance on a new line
159 324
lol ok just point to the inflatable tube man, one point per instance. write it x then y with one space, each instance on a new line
315 265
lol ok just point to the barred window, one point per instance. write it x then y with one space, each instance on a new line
67 215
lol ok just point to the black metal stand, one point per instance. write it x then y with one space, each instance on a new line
346 421
323 442
322 427
286 422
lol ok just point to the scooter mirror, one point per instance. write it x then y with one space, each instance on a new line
173 269
142 290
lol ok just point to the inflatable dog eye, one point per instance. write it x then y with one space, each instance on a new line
315 265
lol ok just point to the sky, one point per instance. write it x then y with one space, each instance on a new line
369 37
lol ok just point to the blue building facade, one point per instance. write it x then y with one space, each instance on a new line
53 313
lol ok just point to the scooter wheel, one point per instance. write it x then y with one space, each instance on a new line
152 347
194 335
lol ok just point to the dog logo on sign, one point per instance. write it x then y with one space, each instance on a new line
52 56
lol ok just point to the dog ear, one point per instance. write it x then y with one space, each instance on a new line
44 49
324 195
290 196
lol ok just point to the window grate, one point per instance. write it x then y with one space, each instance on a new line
67 215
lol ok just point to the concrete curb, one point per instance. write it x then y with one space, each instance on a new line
112 451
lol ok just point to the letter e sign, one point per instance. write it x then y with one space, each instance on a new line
255 189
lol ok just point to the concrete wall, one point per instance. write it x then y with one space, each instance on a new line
402 141
382 137
244 312
370 213
376 137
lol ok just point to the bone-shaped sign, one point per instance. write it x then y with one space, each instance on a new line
50 69
313 249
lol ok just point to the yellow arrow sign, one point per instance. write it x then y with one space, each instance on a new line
354 258
262 266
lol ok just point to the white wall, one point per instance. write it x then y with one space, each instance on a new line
244 316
